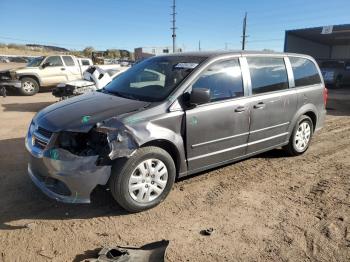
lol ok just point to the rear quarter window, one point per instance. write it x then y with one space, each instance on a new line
304 71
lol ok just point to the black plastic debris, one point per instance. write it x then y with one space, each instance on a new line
153 252
2 91
207 232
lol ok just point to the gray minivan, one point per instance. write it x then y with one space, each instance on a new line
172 116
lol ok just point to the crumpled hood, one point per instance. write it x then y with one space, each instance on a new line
24 70
77 83
81 113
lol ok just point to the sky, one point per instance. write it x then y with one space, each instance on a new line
103 24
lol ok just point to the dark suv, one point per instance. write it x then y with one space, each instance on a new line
336 73
171 116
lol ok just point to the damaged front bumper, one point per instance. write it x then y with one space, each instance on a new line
67 166
66 177
60 174
10 83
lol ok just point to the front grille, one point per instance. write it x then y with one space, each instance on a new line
44 132
41 144
5 75
41 138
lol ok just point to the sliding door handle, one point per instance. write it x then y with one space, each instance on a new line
260 105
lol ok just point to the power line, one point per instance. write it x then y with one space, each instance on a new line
174 25
244 36
266 40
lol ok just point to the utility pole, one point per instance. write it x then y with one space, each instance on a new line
199 45
174 25
244 36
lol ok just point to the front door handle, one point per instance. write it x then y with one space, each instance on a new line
260 105
63 69
240 109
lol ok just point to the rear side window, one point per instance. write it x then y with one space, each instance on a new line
267 74
85 62
305 72
68 60
223 79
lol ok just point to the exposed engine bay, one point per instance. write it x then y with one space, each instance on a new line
104 141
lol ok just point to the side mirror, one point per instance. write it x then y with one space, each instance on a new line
199 96
46 64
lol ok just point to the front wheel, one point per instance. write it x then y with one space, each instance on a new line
301 137
144 180
29 86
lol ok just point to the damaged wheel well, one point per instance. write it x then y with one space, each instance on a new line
170 148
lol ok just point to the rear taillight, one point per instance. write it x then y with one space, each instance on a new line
325 96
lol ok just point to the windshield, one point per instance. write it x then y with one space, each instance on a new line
153 79
35 62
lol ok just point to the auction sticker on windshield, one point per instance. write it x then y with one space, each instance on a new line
186 65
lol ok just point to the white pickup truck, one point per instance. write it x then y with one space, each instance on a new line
44 71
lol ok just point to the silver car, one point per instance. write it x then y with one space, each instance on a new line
172 116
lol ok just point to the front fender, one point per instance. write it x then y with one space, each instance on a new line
158 133
32 75
126 137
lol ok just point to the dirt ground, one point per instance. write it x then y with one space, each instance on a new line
268 208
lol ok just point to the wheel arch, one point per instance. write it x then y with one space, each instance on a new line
31 76
313 117
170 148
308 110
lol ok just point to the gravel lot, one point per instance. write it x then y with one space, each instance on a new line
269 207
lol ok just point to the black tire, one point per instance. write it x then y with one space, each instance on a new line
291 147
29 81
122 170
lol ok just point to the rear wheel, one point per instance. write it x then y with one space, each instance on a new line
301 137
29 86
144 180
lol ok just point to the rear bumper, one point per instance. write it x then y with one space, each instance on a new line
320 120
11 83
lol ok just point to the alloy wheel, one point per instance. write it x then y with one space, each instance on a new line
302 136
148 180
28 86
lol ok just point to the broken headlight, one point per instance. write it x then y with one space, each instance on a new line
84 144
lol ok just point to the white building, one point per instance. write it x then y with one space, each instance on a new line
144 52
